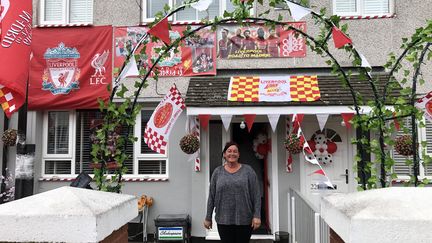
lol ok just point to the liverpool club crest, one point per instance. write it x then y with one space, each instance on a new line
61 73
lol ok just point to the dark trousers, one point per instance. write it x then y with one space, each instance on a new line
234 233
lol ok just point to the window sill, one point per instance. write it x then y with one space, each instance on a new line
125 179
378 16
63 25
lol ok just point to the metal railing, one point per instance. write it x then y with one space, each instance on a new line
307 226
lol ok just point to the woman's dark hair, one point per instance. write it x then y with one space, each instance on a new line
229 144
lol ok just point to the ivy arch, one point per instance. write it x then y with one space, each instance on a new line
126 112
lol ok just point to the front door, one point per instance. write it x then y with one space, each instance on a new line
333 150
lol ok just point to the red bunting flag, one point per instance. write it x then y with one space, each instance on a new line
204 120
339 38
16 37
347 117
161 31
320 171
249 118
396 122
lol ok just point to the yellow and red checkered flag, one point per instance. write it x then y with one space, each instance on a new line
15 40
304 88
274 89
244 89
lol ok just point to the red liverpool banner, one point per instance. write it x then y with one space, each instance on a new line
259 41
71 67
197 55
16 37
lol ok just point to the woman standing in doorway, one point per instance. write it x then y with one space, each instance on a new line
234 192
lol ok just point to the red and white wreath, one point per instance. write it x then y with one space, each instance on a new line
322 148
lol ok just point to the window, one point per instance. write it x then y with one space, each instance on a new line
362 7
217 8
284 5
149 162
400 168
66 12
67 146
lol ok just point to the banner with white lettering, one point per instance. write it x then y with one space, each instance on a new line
16 37
71 67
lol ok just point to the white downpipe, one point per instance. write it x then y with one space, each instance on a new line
317 227
293 229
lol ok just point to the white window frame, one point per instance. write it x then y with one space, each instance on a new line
145 19
421 131
360 8
65 14
139 156
70 156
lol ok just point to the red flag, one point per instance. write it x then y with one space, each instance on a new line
249 118
396 122
16 37
204 120
339 38
320 171
162 121
298 118
71 67
347 117
161 31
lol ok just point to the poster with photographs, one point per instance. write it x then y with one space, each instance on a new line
196 56
260 41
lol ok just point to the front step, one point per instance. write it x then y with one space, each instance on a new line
261 241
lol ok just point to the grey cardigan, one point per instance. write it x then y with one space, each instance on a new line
235 196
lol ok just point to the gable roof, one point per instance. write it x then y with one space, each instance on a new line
213 91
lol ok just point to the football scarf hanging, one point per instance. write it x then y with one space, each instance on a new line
322 148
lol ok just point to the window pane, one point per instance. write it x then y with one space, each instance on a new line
81 11
145 117
376 6
229 6
154 6
60 167
84 145
58 132
186 14
346 6
53 10
151 167
428 168
213 11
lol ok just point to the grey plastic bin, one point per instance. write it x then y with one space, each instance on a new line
282 236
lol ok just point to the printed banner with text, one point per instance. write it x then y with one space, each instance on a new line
197 55
71 67
259 41
274 89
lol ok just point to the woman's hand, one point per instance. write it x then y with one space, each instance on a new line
207 224
256 223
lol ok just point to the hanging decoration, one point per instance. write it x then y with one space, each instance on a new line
9 137
322 148
193 129
347 117
403 145
261 145
189 143
204 120
298 11
161 31
293 144
249 118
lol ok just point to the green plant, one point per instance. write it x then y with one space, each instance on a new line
293 144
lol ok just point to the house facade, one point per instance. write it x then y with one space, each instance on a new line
177 186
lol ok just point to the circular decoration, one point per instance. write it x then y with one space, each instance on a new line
403 145
189 144
10 137
163 115
261 146
293 144
323 147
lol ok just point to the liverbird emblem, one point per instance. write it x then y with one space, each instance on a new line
4 7
98 63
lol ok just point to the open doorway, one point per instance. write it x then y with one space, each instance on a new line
259 163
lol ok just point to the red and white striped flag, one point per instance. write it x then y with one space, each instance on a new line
16 36
162 121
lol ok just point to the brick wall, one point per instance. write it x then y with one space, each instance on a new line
118 236
335 238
